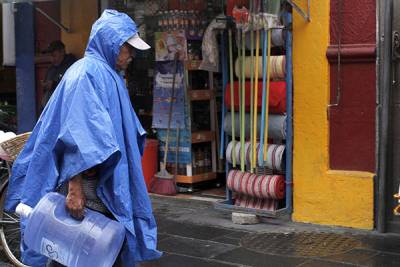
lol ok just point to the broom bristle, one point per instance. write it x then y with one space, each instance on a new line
162 186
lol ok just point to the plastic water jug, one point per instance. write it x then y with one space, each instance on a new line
51 231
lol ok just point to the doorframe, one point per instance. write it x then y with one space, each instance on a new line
384 85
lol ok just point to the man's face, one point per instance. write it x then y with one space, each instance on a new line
126 53
57 57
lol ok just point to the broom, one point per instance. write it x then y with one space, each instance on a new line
164 182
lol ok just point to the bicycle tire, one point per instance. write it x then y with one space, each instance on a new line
10 235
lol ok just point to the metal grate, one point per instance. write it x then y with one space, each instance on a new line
300 244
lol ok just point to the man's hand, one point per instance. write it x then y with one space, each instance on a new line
75 201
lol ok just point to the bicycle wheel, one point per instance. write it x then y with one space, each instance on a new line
10 234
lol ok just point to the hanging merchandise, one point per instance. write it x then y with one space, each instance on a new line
277 71
139 12
276 128
163 4
276 156
170 43
209 46
162 93
192 22
262 187
151 7
230 5
249 202
277 97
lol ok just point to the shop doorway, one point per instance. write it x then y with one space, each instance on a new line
388 184
221 130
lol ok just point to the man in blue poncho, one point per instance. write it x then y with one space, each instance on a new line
88 144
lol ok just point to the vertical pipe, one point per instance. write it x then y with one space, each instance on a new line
289 110
384 115
25 67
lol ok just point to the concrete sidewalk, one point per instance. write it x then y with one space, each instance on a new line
193 233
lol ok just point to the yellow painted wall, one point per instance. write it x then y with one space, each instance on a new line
321 196
79 17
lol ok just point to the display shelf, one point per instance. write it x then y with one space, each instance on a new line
201 95
203 137
191 65
197 178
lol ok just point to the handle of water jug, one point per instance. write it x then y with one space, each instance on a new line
23 210
62 215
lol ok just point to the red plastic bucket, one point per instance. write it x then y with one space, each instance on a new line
150 160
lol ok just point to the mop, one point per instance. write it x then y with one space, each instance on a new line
232 93
252 141
243 105
164 182
241 17
255 111
240 81
224 83
267 96
264 94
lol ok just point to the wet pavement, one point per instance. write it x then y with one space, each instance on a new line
193 233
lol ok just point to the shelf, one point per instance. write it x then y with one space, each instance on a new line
183 179
194 38
145 113
200 95
202 137
192 64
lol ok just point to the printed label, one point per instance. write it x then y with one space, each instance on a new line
53 251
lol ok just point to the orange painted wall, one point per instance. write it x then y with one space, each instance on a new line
79 17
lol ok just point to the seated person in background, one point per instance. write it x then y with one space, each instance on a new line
60 62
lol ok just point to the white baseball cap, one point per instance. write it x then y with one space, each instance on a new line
138 42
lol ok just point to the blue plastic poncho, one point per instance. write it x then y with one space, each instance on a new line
90 121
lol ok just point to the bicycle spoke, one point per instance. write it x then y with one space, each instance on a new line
11 231
14 245
9 218
5 223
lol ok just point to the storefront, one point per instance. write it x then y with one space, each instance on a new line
312 153
321 194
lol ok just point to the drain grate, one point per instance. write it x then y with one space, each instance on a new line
300 244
